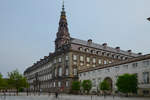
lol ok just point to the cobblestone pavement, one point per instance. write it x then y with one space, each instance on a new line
69 97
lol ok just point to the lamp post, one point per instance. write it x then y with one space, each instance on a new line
148 19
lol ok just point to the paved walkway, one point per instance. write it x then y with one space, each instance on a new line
69 97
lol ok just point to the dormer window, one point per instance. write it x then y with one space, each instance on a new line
98 52
80 48
93 51
86 50
108 54
103 53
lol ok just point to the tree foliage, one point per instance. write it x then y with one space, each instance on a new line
76 85
127 83
17 80
104 85
1 80
87 85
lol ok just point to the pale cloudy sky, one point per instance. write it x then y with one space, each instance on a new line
28 27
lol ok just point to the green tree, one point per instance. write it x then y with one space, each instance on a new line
1 81
75 86
87 85
17 80
127 83
104 85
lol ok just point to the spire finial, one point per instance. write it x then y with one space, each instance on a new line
63 7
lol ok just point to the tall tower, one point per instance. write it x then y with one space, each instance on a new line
63 36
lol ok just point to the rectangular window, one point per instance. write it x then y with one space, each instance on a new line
108 70
146 77
116 69
75 71
88 59
146 63
94 60
134 65
99 61
67 83
67 58
54 84
94 82
59 59
59 84
74 57
81 58
60 71
67 71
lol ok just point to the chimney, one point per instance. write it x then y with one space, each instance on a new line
45 57
89 41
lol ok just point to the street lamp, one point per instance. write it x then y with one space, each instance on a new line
148 19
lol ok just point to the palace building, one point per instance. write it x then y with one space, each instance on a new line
72 56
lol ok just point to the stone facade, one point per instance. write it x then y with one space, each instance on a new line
139 66
56 71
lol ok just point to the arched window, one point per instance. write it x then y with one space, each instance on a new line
86 50
80 48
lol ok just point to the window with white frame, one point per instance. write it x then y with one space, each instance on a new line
134 65
54 84
67 58
75 71
146 77
88 59
94 82
60 71
146 63
99 61
74 57
67 83
94 60
67 71
59 84
81 58
59 59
